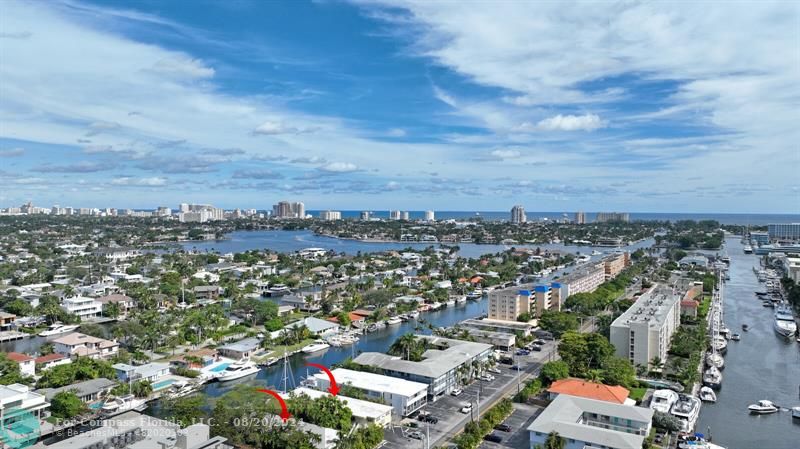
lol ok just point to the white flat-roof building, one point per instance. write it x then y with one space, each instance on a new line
149 372
364 412
82 306
19 398
442 367
588 423
404 396
644 331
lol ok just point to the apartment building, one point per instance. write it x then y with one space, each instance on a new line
508 304
615 263
644 331
405 397
583 280
330 215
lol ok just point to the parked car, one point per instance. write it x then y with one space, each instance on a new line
503 427
494 369
494 438
427 417
536 348
486 377
523 352
417 435
508 361
515 367
456 392
539 341
466 408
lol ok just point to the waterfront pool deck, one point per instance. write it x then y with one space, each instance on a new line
211 371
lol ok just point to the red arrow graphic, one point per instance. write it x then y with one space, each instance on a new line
333 389
285 411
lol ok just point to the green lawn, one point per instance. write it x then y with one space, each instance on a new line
637 394
280 350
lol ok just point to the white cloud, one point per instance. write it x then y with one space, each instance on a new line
506 154
397 132
339 167
13 152
588 122
139 182
183 66
271 128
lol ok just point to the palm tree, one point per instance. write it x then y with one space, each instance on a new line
554 441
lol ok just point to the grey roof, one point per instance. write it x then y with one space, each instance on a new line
84 388
248 344
435 362
565 415
652 307
315 325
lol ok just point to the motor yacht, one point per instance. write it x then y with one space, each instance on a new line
724 331
182 388
414 314
715 360
696 441
796 412
315 347
118 404
712 377
663 400
58 329
719 344
686 409
269 362
736 337
763 407
394 320
237 370
784 321
461 299
707 395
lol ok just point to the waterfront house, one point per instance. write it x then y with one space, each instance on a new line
77 344
205 292
306 302
125 302
27 364
584 423
590 390
6 320
88 391
364 412
82 306
242 349
150 372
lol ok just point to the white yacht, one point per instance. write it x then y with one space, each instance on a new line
663 400
763 407
182 388
237 370
712 378
315 347
394 320
719 344
796 412
58 329
707 395
686 409
121 403
715 360
414 314
748 249
461 299
784 321
279 290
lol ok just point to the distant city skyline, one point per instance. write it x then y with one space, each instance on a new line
379 105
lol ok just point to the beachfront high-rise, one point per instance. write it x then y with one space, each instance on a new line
784 231
580 218
429 215
287 209
518 214
603 217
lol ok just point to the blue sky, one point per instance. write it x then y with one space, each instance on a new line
638 106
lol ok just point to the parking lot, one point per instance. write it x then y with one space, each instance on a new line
447 408
518 438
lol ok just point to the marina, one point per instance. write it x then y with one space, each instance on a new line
762 366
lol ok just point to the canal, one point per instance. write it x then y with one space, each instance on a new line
763 365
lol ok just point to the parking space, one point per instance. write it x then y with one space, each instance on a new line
446 409
518 438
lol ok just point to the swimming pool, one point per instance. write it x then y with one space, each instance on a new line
163 384
219 368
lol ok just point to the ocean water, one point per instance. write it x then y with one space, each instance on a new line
743 219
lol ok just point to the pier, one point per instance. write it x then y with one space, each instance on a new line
11 336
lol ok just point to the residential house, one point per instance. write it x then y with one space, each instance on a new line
88 391
242 349
149 372
27 364
590 390
45 362
17 398
82 306
77 344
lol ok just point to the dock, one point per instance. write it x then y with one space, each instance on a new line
11 336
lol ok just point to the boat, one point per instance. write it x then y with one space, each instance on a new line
116 404
268 362
182 388
663 400
796 412
712 377
686 409
414 314
719 344
784 321
736 337
696 441
315 347
237 370
707 395
748 249
715 360
278 290
58 329
763 407
596 253
394 320
461 299
745 327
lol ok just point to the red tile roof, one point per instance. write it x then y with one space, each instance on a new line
590 390
49 358
19 358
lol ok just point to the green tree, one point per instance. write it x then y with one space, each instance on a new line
142 389
9 371
185 411
553 371
558 322
112 310
554 441
66 405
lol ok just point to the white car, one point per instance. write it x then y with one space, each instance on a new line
493 370
456 392
467 408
